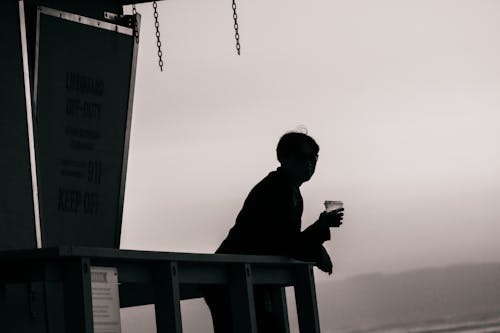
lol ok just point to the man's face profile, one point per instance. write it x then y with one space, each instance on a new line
301 164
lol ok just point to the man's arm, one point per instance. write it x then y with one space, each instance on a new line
319 231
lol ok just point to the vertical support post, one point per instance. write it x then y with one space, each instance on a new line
78 296
305 298
135 50
54 302
167 298
29 120
242 299
54 297
3 304
280 310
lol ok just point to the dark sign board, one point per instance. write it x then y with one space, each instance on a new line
17 222
84 79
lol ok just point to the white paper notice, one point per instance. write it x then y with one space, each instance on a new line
105 300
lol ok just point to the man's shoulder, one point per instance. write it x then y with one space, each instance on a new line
272 179
272 183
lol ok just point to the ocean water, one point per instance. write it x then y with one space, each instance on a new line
477 323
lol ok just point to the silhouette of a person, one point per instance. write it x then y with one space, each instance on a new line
270 224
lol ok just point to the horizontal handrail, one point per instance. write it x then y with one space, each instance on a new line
166 278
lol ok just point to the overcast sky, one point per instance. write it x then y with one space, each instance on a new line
403 97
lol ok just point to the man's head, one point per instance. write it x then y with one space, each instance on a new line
298 154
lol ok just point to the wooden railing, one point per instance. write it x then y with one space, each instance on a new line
59 298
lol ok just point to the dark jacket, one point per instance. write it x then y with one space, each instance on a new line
270 223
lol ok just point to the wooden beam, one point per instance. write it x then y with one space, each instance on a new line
167 298
305 299
78 296
3 304
242 299
132 2
280 310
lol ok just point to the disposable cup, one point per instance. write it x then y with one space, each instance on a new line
333 205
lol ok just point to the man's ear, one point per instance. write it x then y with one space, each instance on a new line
285 159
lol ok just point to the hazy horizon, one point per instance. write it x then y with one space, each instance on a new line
402 97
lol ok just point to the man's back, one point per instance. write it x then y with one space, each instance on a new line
269 221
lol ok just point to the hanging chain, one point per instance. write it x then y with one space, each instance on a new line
158 41
136 27
236 27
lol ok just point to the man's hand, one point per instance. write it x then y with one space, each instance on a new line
319 231
332 219
325 263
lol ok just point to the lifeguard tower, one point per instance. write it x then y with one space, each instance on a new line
66 108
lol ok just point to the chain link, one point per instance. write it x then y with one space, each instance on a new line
136 28
158 41
236 27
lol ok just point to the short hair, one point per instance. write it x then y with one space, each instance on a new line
290 143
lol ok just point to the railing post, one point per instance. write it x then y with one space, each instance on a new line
305 298
167 298
78 296
280 311
3 304
242 299
54 297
